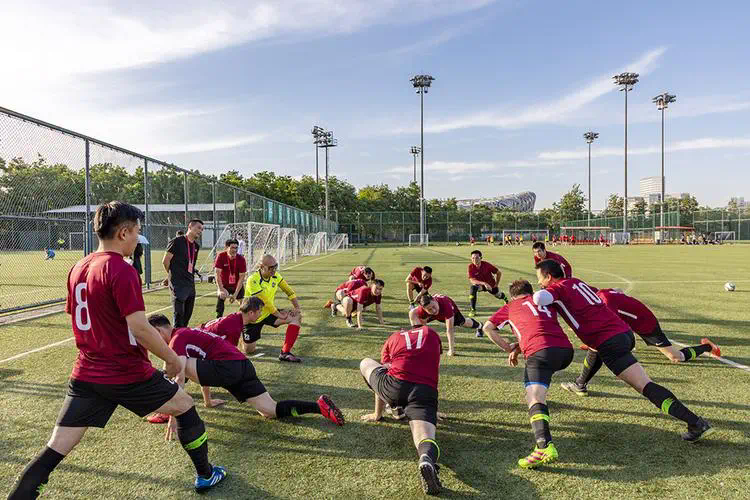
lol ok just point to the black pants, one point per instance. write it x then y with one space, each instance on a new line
479 288
182 309
220 301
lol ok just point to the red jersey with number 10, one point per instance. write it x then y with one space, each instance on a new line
535 327
229 327
102 290
414 355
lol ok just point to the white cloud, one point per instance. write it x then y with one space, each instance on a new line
209 145
447 167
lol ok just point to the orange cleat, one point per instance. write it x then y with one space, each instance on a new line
715 350
329 410
583 347
158 418
328 304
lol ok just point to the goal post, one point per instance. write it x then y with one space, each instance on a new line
338 241
76 240
419 239
527 235
315 244
724 236
255 240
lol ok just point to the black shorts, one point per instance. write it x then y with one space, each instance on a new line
615 352
493 291
419 401
458 318
416 287
240 294
543 363
251 332
656 338
88 404
236 376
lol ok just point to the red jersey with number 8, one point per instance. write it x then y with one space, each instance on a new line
535 327
102 290
414 355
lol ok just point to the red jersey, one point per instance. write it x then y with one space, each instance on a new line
229 327
350 286
363 295
484 272
535 327
448 309
203 345
359 273
414 355
230 269
102 290
631 310
416 275
585 312
566 267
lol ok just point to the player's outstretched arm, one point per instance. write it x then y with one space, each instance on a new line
377 415
493 333
207 401
379 311
360 310
148 337
543 298
414 319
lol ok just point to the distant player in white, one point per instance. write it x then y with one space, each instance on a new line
241 247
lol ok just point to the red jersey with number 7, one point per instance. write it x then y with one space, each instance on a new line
535 327
583 310
229 327
414 355
102 290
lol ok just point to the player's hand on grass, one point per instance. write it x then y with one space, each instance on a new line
213 403
371 417
171 429
451 353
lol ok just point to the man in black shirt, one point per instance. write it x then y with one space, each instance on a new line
179 261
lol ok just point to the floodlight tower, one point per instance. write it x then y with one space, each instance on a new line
422 84
662 102
317 133
415 151
590 137
626 82
327 141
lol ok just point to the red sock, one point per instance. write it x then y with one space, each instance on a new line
292 331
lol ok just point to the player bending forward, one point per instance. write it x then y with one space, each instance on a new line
541 253
418 280
443 308
602 330
210 361
546 349
407 376
354 296
484 277
362 273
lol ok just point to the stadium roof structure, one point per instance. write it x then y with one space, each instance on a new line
155 207
520 202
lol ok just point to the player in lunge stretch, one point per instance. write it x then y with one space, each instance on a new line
546 349
407 377
602 330
442 308
541 253
484 277
113 368
418 280
353 296
362 273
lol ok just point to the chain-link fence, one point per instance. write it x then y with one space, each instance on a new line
52 179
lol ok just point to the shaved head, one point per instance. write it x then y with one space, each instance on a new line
268 266
268 260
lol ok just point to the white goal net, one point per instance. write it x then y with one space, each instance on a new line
338 241
288 245
724 236
527 235
255 240
315 244
419 239
619 238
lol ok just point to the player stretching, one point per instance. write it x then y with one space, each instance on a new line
356 295
210 361
601 329
443 308
484 277
407 376
642 321
419 280
112 335
362 273
541 253
546 349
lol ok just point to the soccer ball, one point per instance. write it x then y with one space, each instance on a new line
729 286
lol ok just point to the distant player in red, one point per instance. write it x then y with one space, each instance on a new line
407 378
472 240
356 297
418 280
601 240
112 369
230 270
541 253
443 308
212 362
484 277
362 273
572 239
610 340
546 349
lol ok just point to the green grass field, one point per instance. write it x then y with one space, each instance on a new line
613 444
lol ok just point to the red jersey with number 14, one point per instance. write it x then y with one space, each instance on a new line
631 310
535 327
414 355
229 327
102 290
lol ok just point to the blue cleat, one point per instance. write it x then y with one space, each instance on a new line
218 473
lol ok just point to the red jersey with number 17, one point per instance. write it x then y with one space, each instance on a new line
102 290
535 327
414 355
229 327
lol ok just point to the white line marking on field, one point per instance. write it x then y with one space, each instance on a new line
258 355
630 284
719 358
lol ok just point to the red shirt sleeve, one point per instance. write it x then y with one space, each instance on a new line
126 290
492 268
219 262
385 353
69 299
241 264
500 316
178 346
473 271
556 290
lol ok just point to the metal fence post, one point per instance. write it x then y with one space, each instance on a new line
447 227
234 201
381 226
216 222
403 225
89 234
185 189
146 227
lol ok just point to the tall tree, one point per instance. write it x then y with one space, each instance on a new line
615 206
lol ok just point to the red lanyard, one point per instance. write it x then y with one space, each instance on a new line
231 271
190 252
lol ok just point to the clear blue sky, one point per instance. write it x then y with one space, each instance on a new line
239 84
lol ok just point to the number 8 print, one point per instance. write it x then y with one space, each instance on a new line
81 306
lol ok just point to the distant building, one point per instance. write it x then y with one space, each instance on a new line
668 196
520 202
650 185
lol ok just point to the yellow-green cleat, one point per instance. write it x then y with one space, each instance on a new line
538 457
472 313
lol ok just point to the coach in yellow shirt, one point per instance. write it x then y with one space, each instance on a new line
264 283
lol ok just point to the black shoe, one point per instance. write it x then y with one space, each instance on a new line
428 476
480 333
503 297
697 431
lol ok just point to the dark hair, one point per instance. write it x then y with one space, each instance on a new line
476 252
550 267
538 245
110 216
231 241
379 282
427 269
251 304
520 287
193 221
368 270
156 320
425 299
180 233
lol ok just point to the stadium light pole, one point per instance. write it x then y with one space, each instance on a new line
422 84
626 82
317 134
662 102
590 137
326 141
415 151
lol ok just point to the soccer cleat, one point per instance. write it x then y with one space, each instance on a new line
538 457
396 412
701 429
333 311
328 304
349 323
480 333
428 475
715 350
289 357
502 296
472 313
158 418
329 410
218 473
583 347
575 388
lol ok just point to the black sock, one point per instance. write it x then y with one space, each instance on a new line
695 351
591 365
291 407
473 296
539 416
430 448
191 432
475 324
34 477
668 403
